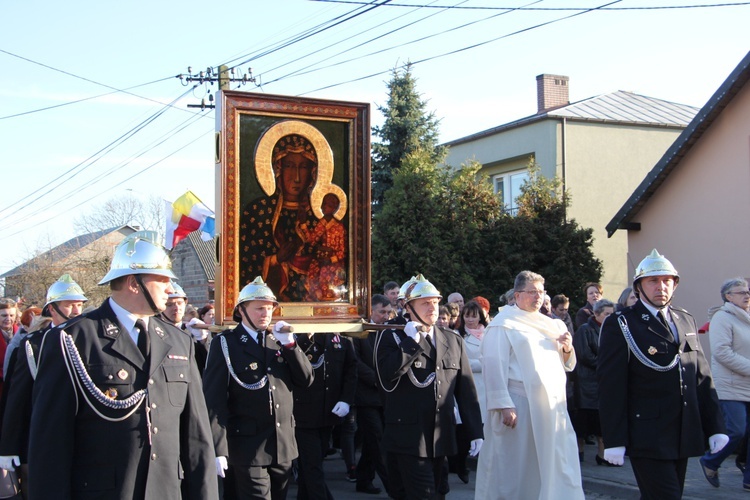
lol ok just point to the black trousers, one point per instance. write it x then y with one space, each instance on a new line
312 445
261 483
414 478
660 479
371 422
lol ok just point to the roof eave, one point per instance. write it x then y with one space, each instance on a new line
682 145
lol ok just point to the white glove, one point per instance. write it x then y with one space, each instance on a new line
221 466
476 445
615 456
717 442
10 462
283 332
341 409
412 330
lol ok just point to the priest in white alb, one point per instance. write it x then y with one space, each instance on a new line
530 447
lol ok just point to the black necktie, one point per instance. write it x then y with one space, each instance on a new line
430 350
260 338
143 340
663 319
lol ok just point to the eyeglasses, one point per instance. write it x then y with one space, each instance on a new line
743 292
534 292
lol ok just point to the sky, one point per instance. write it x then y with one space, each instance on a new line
91 108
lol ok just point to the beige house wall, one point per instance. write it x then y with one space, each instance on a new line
699 218
538 139
604 163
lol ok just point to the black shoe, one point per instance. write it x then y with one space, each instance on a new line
351 475
712 476
463 476
590 440
740 465
368 488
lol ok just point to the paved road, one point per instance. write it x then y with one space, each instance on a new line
599 482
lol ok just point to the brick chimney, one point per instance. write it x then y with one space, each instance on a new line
551 92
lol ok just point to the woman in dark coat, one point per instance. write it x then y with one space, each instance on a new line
586 345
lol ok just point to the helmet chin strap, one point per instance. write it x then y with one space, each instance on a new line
147 295
57 309
417 317
247 317
171 320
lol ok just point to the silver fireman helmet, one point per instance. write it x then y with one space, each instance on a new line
255 290
420 288
65 288
655 264
404 287
177 291
139 253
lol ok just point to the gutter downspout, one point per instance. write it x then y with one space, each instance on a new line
564 164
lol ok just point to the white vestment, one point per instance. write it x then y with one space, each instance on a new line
523 368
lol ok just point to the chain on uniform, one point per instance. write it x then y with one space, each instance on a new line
413 378
83 380
319 362
639 354
252 387
31 360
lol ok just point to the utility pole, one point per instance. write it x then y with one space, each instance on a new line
224 76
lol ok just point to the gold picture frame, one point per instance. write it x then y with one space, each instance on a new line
293 204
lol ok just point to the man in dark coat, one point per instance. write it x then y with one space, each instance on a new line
117 406
369 402
248 383
656 396
321 406
65 300
425 372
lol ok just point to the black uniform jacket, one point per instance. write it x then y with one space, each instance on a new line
421 421
17 415
665 415
368 388
253 427
335 380
77 449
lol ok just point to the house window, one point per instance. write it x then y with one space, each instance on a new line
508 187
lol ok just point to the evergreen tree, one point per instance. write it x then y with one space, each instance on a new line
450 226
407 127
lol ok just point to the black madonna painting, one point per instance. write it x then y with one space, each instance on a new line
295 202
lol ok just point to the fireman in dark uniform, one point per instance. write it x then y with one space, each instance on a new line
657 400
321 406
118 411
65 300
425 372
248 383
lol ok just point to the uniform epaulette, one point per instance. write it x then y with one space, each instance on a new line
680 310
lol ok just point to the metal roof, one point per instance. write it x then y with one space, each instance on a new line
206 251
63 250
619 107
627 107
684 143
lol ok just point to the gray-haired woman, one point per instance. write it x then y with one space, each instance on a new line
730 364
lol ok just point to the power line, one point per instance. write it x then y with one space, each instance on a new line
583 9
68 211
115 89
410 42
468 47
92 159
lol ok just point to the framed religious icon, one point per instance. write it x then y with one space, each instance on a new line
293 204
